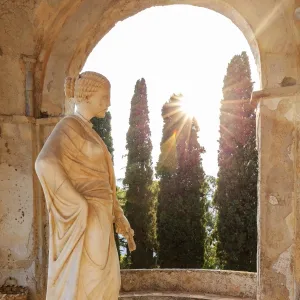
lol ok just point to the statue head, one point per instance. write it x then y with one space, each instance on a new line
90 91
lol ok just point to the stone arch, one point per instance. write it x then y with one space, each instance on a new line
67 30
83 29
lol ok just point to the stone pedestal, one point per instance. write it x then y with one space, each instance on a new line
278 141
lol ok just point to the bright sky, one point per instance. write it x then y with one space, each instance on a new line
177 49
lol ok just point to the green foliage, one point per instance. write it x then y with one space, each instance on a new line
236 194
210 256
121 195
103 127
140 205
154 188
125 262
181 202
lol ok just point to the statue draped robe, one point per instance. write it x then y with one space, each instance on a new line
76 173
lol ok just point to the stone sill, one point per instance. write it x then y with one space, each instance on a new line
175 296
48 121
271 93
19 119
190 281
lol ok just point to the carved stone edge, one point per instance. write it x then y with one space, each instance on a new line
271 93
19 119
48 121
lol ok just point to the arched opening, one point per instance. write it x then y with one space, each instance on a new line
69 50
125 58
155 44
68 33
78 36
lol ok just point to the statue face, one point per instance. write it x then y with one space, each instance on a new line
100 102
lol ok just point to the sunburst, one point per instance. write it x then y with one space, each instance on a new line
187 108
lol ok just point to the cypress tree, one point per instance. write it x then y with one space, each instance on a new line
236 194
168 210
209 188
140 205
181 207
103 127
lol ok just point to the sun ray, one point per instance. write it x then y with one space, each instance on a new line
269 19
188 109
182 117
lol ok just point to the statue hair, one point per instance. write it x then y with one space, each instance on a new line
84 85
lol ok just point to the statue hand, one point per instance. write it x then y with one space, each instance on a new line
131 244
130 240
123 227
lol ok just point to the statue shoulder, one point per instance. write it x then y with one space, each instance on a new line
69 124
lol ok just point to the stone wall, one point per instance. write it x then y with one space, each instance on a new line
17 217
278 218
23 217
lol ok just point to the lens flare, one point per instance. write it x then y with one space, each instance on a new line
188 108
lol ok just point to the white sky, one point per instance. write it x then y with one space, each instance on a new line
179 48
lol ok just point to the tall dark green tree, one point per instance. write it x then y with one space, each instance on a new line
103 127
140 205
209 188
181 205
236 194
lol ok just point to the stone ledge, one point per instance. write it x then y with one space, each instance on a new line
175 296
272 93
48 121
15 119
227 283
19 119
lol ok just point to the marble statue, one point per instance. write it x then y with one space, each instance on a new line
76 173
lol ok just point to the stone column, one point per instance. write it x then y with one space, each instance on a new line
29 85
42 130
278 141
